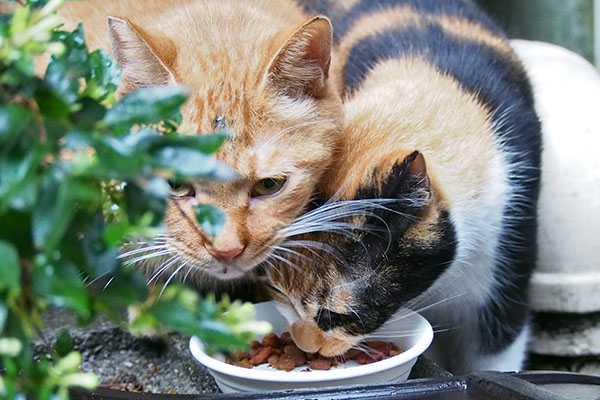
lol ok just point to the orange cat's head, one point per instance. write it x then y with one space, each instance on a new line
271 95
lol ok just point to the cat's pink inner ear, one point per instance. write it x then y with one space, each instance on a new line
140 65
417 166
301 66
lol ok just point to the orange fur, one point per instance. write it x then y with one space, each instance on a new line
444 127
263 66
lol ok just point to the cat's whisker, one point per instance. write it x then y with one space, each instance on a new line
108 283
97 278
406 312
162 268
173 274
310 245
147 256
274 268
190 268
141 250
286 261
290 251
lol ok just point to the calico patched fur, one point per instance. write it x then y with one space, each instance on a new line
439 118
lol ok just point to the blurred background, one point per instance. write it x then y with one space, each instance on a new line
574 24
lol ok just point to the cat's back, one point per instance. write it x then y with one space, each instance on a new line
438 76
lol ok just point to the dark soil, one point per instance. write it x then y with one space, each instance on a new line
125 362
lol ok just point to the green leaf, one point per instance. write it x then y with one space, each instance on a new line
184 321
216 333
205 143
105 75
3 316
211 218
51 104
64 343
102 259
89 114
176 316
62 80
13 121
146 106
62 286
53 214
189 163
116 160
147 195
127 288
75 56
10 272
17 171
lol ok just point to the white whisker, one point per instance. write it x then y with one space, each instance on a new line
141 250
173 274
147 256
163 267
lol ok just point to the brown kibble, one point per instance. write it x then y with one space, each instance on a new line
238 355
320 364
352 354
261 356
298 355
271 340
285 362
282 353
245 363
286 338
252 353
277 351
368 358
376 344
255 344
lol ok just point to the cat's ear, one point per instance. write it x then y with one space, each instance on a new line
408 179
140 65
301 66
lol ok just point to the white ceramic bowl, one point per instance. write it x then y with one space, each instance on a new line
231 378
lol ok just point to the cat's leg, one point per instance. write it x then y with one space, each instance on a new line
511 358
461 350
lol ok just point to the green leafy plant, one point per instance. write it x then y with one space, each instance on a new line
80 173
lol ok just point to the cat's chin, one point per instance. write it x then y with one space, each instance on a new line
227 274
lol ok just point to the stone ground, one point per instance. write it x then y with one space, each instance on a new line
129 363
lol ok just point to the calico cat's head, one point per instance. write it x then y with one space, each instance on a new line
271 95
358 281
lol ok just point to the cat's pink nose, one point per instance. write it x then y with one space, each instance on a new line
225 254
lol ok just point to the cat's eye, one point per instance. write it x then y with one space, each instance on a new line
268 186
182 189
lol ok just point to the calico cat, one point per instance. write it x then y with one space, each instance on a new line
441 144
259 71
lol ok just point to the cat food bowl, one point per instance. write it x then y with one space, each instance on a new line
231 378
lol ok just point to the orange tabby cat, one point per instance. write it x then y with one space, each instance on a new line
259 71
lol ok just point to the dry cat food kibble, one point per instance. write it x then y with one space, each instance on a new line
281 353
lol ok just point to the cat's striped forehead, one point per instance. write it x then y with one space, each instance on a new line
268 134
